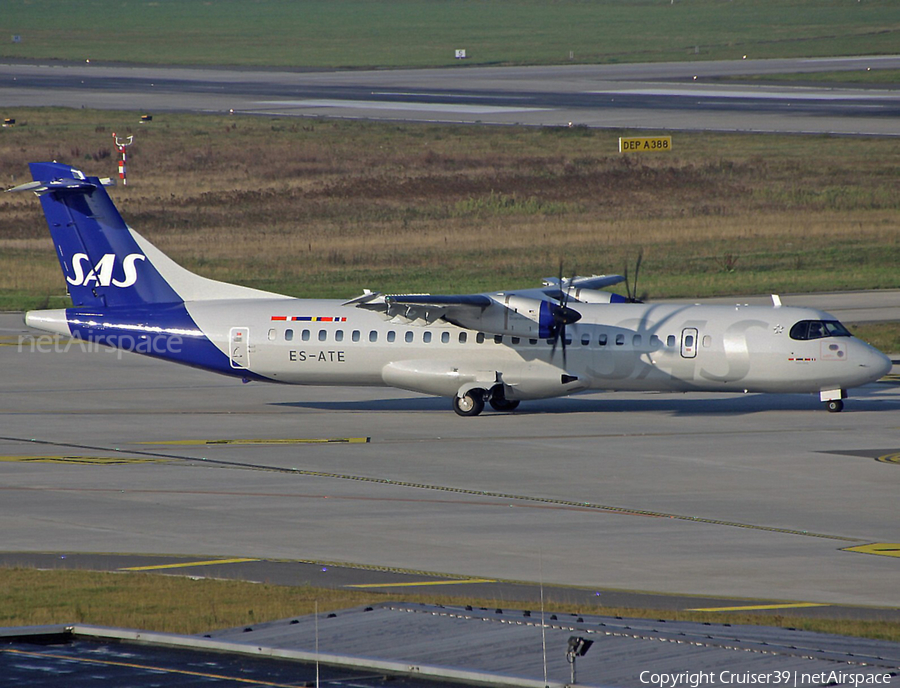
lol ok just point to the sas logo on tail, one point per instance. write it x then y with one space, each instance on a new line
101 274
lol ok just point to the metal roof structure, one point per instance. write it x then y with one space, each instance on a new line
516 645
429 645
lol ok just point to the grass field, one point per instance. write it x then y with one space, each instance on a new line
177 604
416 33
314 208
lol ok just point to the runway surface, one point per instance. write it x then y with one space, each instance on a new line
667 96
740 497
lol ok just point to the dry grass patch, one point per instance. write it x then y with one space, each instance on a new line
325 209
179 604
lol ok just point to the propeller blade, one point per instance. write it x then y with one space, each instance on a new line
637 268
627 283
631 288
562 315
563 334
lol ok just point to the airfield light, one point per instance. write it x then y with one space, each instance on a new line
121 144
578 647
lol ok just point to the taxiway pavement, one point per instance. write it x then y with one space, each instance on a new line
752 497
665 96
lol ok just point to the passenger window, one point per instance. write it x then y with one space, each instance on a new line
445 337
585 339
355 336
391 335
671 341
463 337
498 339
409 336
602 339
323 335
516 340
655 342
339 336
636 341
620 339
479 338
304 335
707 341
272 335
689 341
373 335
426 337
288 335
532 341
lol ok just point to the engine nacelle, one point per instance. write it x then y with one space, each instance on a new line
516 316
596 296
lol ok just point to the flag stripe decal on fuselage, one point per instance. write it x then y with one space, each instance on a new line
309 318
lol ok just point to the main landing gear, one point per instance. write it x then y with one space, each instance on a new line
471 403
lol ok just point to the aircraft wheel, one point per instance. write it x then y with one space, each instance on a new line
835 405
470 404
504 404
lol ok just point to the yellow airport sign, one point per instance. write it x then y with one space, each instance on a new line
644 144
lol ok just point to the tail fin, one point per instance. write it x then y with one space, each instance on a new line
104 261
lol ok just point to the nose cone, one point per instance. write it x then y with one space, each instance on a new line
875 363
884 364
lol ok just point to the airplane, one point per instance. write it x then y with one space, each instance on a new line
500 348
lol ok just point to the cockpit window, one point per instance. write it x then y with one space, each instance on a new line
817 329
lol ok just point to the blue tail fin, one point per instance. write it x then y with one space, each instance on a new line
100 258
105 262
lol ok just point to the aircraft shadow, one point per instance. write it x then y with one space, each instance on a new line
685 406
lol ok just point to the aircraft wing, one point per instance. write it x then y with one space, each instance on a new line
491 312
556 286
480 301
425 307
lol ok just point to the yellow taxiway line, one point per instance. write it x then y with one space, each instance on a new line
759 607
301 440
885 549
412 585
211 562
83 460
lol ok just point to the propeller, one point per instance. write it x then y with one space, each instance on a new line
562 315
631 289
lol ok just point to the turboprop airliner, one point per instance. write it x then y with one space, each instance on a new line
568 335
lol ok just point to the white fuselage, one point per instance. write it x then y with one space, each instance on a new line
613 346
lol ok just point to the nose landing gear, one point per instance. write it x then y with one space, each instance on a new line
833 399
835 405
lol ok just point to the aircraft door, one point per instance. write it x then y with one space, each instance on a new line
239 347
689 342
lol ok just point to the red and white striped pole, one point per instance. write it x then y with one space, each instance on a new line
121 144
